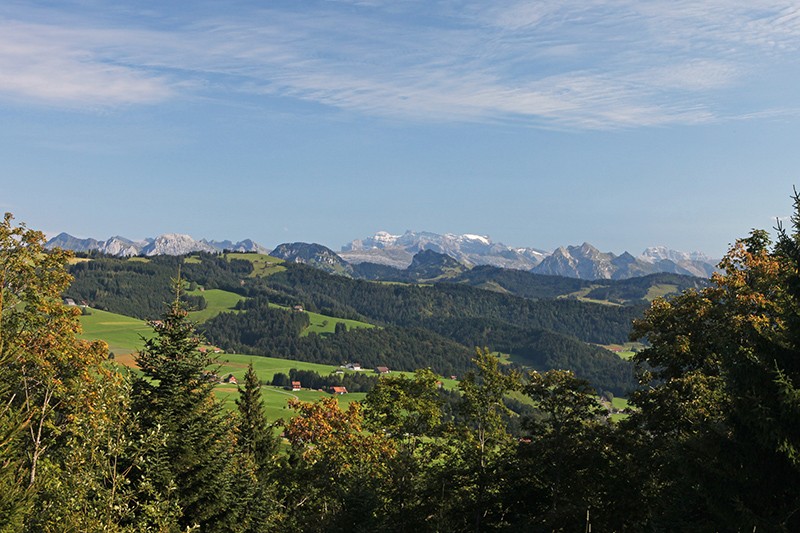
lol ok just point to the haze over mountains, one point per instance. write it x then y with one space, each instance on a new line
386 251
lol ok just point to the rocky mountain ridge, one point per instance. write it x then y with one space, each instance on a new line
398 251
582 262
165 244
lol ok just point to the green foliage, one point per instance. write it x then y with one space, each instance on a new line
173 397
258 447
565 454
722 405
60 408
482 444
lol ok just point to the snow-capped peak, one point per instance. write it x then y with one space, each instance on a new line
479 238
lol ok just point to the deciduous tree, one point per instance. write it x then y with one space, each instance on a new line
723 394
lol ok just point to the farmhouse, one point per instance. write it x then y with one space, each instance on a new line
339 390
231 379
382 369
296 385
353 366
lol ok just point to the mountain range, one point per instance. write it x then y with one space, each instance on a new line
390 254
166 244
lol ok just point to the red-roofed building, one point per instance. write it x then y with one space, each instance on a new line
296 385
339 390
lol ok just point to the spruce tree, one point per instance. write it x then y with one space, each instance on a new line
257 448
255 436
174 398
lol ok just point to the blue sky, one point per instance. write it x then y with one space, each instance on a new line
625 124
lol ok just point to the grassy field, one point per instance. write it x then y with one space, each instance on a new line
276 398
659 291
123 334
580 295
217 300
325 325
620 404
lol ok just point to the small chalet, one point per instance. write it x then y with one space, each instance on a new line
339 390
231 379
353 366
298 308
296 385
382 369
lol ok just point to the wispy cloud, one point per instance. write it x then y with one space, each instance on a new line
564 64
63 67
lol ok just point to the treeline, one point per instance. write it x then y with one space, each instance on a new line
352 381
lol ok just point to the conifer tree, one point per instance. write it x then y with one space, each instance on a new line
255 436
174 398
257 447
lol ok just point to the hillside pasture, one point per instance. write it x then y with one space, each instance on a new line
263 265
217 301
277 398
326 325
124 335
660 291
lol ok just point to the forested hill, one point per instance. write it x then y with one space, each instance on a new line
439 268
416 305
436 325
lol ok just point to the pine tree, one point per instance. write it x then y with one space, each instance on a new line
174 398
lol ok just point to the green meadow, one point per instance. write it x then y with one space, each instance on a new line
276 399
124 335
325 325
217 301
660 290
